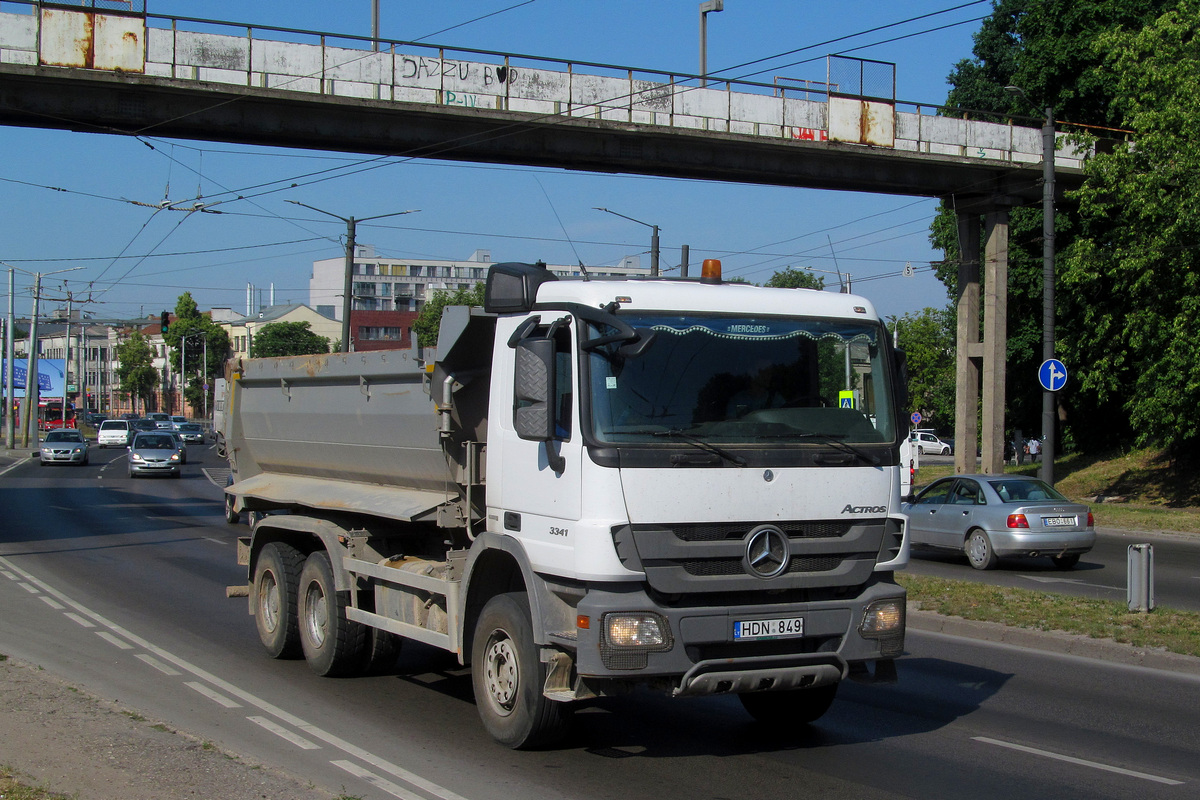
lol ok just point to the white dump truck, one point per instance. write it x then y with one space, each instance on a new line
594 484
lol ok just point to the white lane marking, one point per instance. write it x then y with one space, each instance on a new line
284 733
9 575
114 641
28 588
158 665
246 697
78 619
1079 761
375 780
50 601
215 696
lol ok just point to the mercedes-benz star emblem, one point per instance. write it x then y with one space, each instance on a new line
767 552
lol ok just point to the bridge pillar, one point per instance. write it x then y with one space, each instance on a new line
981 349
969 349
995 340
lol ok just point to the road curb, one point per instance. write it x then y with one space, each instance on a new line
1053 642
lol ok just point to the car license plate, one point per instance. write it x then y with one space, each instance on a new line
1059 522
786 628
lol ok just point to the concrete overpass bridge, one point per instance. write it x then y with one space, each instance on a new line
70 66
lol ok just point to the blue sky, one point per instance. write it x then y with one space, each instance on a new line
518 213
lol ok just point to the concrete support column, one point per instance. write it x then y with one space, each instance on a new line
995 340
969 350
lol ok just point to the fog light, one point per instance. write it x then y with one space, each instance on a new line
634 630
882 618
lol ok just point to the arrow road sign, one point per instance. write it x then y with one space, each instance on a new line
1052 374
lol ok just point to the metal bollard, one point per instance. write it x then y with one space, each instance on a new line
1139 576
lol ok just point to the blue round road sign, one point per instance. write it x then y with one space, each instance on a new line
916 418
1052 374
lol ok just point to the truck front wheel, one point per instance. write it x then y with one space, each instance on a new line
276 576
508 676
332 644
786 709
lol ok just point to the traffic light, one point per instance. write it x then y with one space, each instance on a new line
166 320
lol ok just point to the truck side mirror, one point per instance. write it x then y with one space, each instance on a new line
534 390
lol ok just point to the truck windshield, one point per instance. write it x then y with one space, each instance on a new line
745 380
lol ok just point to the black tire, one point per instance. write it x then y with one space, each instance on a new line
788 708
508 677
274 594
1065 562
978 549
231 515
333 645
381 651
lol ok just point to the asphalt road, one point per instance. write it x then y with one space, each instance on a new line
118 585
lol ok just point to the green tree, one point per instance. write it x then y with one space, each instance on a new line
1132 276
204 345
287 339
792 278
927 338
1050 49
135 368
429 321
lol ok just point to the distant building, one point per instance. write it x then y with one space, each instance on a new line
404 284
243 329
382 330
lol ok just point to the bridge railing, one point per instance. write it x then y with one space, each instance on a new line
345 65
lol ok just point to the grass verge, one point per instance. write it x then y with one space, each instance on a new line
1167 629
11 788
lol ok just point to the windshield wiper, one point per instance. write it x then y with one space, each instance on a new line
708 447
835 439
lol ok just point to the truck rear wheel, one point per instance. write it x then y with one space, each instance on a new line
788 708
276 576
332 644
508 676
231 514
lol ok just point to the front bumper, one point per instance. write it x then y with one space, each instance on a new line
63 457
701 656
154 468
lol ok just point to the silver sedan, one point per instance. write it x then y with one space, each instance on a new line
987 517
154 453
64 446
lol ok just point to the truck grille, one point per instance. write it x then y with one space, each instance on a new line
729 566
689 558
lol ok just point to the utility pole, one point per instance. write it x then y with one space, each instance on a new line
706 8
9 356
28 419
66 361
348 283
653 238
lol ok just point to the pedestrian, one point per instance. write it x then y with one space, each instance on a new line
1035 447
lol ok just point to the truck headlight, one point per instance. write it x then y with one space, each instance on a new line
882 618
641 631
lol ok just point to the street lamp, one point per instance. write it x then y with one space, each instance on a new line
653 236
706 8
1048 404
351 226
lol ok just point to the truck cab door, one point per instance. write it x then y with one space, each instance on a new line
541 455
